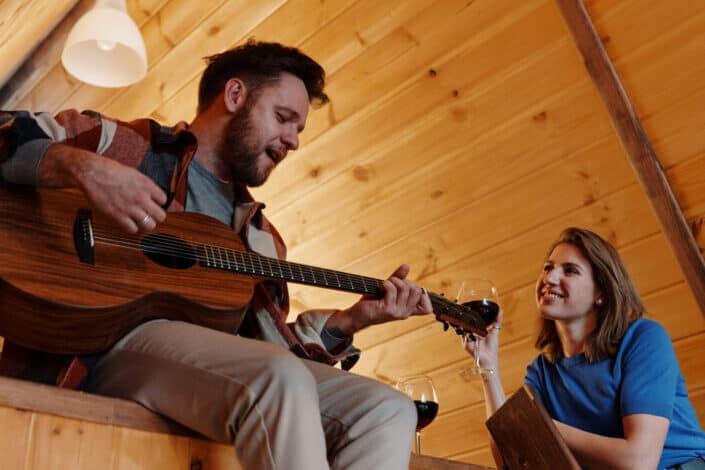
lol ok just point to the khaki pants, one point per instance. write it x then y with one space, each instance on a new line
279 411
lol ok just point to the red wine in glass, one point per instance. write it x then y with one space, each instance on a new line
427 411
487 309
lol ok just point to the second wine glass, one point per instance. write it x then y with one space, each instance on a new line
421 390
479 295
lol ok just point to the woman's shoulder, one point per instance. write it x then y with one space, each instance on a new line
645 336
646 328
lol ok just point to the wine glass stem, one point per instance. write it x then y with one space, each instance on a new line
477 353
418 442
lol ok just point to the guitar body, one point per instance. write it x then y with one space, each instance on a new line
53 301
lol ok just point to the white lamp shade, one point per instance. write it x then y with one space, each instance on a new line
105 48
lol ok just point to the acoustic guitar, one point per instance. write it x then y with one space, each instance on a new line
73 282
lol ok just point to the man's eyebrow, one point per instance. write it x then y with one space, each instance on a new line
288 110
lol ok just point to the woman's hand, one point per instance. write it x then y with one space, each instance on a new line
490 344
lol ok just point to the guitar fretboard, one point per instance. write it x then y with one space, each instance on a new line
242 262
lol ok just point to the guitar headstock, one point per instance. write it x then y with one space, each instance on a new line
461 317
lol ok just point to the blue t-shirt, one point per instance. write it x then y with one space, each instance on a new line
644 377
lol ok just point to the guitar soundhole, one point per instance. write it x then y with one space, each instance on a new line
168 251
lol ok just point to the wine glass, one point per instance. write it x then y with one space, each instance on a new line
421 390
479 295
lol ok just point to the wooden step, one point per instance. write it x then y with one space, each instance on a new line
45 427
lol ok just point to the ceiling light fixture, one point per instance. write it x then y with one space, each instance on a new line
105 47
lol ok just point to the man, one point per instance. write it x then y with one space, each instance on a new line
279 410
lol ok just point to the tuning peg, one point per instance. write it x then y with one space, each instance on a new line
445 325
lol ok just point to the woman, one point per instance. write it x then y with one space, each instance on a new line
608 377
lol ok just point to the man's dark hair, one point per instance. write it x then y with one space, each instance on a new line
258 63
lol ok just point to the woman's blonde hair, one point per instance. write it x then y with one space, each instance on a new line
621 303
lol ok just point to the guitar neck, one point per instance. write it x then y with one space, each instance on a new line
462 318
253 264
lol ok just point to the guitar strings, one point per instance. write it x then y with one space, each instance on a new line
251 263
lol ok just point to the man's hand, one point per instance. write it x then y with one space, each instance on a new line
124 194
402 298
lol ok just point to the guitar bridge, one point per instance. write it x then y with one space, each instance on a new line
83 237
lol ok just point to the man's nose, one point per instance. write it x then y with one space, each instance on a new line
291 139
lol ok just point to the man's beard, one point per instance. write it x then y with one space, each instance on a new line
241 150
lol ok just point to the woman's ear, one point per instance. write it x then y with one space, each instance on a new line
234 94
599 297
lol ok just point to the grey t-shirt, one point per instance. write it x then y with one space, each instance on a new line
209 195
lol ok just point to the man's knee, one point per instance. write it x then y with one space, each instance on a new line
392 408
404 410
277 388
288 372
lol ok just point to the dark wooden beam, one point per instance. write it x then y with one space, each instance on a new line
636 143
43 58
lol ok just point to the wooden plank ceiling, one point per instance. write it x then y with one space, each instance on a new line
461 138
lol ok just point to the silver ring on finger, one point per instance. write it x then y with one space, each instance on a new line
146 219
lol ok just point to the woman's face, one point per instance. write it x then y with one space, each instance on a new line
566 288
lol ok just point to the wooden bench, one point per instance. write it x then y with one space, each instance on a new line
46 427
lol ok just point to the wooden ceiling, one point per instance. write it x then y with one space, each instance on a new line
462 136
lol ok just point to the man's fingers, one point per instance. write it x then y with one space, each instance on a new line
401 272
155 211
424 305
390 290
143 206
401 291
141 218
128 224
157 194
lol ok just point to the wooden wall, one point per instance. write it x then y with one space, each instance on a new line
38 441
461 138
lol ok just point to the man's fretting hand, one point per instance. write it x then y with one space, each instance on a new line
402 298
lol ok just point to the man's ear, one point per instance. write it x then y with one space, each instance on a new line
234 94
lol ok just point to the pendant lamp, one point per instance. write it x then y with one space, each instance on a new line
105 47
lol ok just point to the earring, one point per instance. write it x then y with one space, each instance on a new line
599 301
